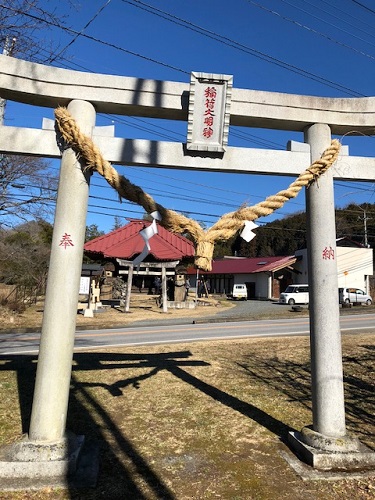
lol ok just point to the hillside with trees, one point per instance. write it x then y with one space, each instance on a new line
285 236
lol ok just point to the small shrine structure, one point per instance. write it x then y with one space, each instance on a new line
165 251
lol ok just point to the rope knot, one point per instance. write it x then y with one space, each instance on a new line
204 253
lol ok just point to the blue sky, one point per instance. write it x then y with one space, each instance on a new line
321 47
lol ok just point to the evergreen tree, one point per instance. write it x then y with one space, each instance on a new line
117 223
93 232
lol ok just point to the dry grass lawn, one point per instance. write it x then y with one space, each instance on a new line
197 421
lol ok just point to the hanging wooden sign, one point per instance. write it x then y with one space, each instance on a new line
209 112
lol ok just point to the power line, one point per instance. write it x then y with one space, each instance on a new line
92 38
327 22
21 197
363 6
207 189
191 26
352 17
308 28
200 30
98 12
133 125
246 136
238 46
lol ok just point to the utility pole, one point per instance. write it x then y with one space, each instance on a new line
365 219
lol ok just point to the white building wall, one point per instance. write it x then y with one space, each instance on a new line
261 280
353 265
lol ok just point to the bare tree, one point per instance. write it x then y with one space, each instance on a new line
25 25
24 253
24 256
27 190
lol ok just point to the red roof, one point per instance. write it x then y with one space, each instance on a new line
241 265
126 243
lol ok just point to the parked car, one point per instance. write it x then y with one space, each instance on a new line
239 292
354 296
295 294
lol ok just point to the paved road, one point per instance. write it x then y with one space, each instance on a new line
244 311
168 334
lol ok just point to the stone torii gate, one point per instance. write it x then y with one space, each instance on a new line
327 443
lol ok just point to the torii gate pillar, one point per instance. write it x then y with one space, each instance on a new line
48 450
326 444
52 384
325 335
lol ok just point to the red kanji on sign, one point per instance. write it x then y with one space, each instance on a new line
66 241
207 132
209 104
210 92
328 253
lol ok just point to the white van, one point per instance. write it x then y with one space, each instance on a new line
354 296
295 294
239 292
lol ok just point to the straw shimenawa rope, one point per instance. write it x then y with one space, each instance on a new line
226 227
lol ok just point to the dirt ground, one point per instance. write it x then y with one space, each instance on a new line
143 307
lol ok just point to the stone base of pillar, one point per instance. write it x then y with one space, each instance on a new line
71 462
326 453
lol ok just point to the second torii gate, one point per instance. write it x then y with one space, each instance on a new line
327 443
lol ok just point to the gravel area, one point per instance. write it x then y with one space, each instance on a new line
254 309
240 311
